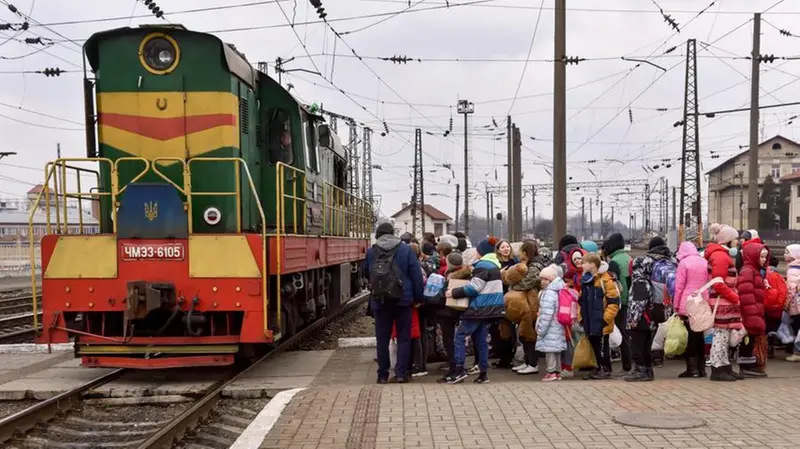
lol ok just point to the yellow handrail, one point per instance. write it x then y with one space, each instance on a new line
239 164
351 215
52 168
184 171
280 216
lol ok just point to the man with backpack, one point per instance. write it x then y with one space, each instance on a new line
649 303
619 263
395 281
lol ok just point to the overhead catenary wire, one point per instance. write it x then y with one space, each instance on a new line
527 58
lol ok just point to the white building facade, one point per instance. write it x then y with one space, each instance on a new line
436 221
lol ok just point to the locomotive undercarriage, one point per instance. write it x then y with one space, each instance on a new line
157 310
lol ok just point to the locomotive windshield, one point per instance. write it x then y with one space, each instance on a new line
279 137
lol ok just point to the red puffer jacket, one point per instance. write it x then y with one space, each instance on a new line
775 296
751 290
721 265
719 261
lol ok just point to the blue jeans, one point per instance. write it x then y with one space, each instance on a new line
388 314
478 329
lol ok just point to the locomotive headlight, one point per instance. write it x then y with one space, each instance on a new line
212 216
159 53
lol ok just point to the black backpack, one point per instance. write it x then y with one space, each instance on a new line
384 277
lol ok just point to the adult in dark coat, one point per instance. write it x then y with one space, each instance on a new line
395 311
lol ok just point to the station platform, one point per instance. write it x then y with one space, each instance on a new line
343 408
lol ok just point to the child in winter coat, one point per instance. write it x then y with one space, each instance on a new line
691 275
720 254
774 301
527 290
599 304
792 258
551 336
750 286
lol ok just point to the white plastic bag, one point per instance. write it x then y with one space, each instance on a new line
392 352
615 339
785 334
659 338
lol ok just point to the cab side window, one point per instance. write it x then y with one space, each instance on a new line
279 136
311 144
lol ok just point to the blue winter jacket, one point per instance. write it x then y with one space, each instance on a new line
485 290
408 266
550 333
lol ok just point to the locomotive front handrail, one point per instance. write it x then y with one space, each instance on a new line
79 195
185 172
52 168
239 164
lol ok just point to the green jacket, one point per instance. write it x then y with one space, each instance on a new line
623 266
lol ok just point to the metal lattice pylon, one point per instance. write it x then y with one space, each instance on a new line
690 165
418 199
352 161
366 169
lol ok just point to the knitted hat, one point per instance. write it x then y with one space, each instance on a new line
551 272
655 242
407 237
384 229
567 240
454 260
722 234
484 247
753 234
589 246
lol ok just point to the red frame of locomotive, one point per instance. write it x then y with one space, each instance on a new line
297 254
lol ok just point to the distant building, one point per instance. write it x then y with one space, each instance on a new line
436 221
15 218
794 199
778 157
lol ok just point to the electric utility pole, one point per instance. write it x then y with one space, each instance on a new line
690 162
510 175
560 122
517 176
752 181
466 107
418 201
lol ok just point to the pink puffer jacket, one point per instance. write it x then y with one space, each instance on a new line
793 280
691 275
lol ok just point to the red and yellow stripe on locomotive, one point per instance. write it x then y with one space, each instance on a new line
225 224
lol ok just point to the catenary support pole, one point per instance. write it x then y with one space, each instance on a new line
560 122
752 179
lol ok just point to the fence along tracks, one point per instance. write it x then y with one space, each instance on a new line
149 434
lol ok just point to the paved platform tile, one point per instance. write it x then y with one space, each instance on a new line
344 409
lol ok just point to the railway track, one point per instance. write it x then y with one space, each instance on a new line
67 422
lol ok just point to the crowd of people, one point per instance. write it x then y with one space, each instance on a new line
578 305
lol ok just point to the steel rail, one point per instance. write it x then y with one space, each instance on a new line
180 426
27 419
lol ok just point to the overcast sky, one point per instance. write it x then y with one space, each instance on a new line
613 106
